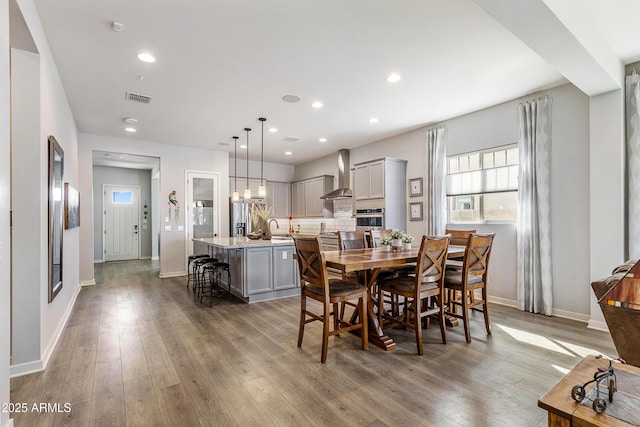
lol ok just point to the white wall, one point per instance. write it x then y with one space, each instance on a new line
26 151
174 160
607 151
121 176
5 180
271 171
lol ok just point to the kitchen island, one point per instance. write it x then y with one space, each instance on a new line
260 269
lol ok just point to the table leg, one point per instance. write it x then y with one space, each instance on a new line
376 334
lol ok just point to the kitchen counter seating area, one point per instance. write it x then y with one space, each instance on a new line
260 269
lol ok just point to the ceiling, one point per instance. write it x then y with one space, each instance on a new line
222 64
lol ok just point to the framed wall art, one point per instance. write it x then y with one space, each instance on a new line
415 187
415 211
71 207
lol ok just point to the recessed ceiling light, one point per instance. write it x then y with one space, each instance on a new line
288 153
129 129
373 120
243 146
130 120
323 140
273 130
317 104
394 78
123 157
291 98
146 57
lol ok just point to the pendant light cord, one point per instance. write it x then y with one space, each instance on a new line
235 163
262 119
247 130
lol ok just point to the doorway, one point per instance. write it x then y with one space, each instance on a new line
203 210
121 222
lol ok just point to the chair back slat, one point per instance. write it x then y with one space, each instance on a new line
311 263
432 258
476 256
459 237
351 240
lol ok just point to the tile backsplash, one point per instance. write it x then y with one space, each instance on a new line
342 220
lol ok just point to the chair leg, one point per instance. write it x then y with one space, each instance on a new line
365 326
465 315
443 331
325 332
380 306
303 309
417 323
485 310
336 318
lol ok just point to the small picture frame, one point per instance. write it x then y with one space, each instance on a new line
415 187
415 211
71 207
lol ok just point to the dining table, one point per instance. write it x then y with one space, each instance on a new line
370 262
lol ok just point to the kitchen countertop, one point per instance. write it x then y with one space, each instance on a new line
244 242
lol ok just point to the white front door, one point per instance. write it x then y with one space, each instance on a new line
121 219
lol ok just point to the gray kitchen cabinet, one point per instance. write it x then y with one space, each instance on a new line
236 261
297 199
284 269
279 197
258 270
370 180
382 183
306 201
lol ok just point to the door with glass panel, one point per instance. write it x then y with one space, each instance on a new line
121 220
202 209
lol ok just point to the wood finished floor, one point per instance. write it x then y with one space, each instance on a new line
141 351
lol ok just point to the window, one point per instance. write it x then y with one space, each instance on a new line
122 197
483 186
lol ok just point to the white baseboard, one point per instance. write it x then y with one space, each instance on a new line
41 365
98 261
598 325
26 368
155 258
172 274
88 282
555 312
145 258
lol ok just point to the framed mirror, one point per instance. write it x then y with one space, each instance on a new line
56 216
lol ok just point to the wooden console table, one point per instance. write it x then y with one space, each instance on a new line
565 412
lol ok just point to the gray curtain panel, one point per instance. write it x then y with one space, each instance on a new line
435 190
534 275
633 156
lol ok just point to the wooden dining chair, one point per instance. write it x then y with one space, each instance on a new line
351 240
423 291
375 235
472 276
459 237
315 284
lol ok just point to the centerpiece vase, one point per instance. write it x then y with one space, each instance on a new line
396 243
266 231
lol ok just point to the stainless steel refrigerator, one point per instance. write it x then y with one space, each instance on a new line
240 217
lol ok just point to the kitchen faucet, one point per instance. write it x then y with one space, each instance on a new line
276 221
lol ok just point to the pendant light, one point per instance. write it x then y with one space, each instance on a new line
247 191
262 189
235 196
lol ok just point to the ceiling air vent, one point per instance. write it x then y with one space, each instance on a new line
136 97
291 139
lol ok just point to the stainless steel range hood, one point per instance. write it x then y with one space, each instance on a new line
343 191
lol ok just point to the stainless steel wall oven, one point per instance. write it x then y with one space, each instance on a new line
369 219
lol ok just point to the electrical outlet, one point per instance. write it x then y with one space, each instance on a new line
284 255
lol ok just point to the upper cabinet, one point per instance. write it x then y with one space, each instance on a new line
279 197
369 180
305 197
